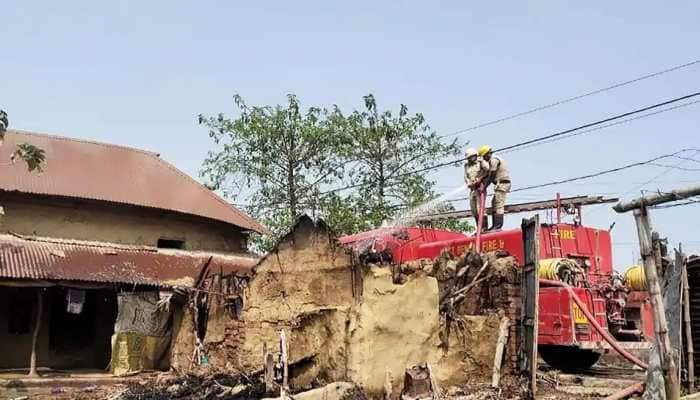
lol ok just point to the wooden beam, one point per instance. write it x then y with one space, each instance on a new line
524 207
658 198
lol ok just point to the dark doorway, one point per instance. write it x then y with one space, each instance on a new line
81 324
164 243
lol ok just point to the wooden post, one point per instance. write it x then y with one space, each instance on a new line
681 261
285 366
35 335
500 349
269 369
663 342
530 288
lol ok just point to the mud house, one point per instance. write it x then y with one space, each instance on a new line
351 321
99 223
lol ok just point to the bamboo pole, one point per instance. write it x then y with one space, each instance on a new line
663 341
500 349
35 335
680 258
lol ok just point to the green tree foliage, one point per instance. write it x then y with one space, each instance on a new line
383 150
33 156
275 158
282 161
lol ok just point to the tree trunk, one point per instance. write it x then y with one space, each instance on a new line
35 335
291 188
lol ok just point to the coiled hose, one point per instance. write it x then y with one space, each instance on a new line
635 278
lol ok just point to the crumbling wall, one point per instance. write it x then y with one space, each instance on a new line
498 292
346 322
397 326
304 286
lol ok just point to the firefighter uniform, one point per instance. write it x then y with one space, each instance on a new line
475 170
501 179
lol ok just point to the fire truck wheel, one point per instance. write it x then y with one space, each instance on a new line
567 358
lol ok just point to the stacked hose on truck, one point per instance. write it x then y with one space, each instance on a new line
635 278
559 269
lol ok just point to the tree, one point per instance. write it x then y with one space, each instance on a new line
30 154
384 151
34 157
276 158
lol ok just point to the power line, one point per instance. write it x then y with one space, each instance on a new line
601 127
540 139
689 159
600 122
676 167
664 172
601 173
597 174
685 203
570 99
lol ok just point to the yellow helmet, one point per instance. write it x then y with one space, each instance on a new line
484 149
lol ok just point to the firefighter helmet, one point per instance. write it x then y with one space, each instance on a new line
471 152
485 149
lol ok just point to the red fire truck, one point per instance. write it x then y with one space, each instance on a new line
566 338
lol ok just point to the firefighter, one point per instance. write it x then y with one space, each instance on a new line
500 177
475 170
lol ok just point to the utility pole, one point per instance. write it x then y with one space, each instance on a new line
649 243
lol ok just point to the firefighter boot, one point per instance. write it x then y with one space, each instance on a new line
485 225
497 222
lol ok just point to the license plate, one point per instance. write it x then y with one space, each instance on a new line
579 317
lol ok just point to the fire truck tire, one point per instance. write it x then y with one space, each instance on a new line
566 358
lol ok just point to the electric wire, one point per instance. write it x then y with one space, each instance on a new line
570 99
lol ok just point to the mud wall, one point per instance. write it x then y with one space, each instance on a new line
345 322
304 287
118 224
397 326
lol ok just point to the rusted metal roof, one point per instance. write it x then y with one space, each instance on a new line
70 260
98 171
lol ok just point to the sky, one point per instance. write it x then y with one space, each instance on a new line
138 74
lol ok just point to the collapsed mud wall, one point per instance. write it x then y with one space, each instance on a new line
396 326
349 322
303 287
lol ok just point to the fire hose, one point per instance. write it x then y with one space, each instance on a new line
591 319
480 217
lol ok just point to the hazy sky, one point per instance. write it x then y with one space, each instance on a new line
138 73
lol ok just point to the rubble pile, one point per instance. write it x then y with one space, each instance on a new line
476 284
193 387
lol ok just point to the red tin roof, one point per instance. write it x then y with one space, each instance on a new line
71 260
98 171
